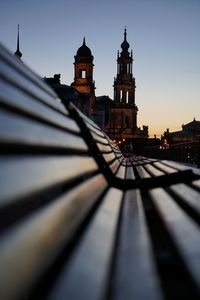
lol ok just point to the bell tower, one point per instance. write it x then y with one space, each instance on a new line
123 112
124 83
83 74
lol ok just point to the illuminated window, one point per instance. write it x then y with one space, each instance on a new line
83 74
127 93
121 95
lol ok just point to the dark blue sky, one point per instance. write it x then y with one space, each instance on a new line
164 36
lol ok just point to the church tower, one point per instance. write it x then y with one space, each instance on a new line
83 74
123 113
18 54
124 83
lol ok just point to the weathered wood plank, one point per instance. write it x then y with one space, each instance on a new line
135 275
28 249
19 129
181 167
114 166
130 173
164 168
18 99
196 183
182 229
91 261
16 78
121 172
15 63
142 172
109 157
20 177
94 129
153 171
100 139
104 148
188 195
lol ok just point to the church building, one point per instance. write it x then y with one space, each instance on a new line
117 117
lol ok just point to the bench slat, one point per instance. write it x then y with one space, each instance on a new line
142 172
94 130
153 171
20 100
19 129
121 172
13 76
129 173
31 247
20 177
196 183
88 121
109 157
22 68
91 261
104 148
135 274
114 166
164 168
188 195
183 230
181 167
100 139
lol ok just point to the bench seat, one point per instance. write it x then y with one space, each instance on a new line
78 220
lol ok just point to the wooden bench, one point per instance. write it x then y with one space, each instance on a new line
77 219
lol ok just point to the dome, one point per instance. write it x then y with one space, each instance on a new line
84 51
125 45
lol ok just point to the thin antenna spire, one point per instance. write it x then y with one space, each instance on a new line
18 37
18 53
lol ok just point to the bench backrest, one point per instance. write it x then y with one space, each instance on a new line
49 182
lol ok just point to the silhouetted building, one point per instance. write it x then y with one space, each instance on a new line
102 106
183 145
67 93
119 117
122 124
18 53
83 74
189 132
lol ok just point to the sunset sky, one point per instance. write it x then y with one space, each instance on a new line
164 36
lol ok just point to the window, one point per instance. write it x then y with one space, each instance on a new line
127 122
83 74
127 93
121 95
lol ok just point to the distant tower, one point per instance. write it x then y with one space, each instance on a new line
124 83
18 53
83 74
123 113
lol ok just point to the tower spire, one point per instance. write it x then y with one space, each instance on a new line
125 33
18 53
